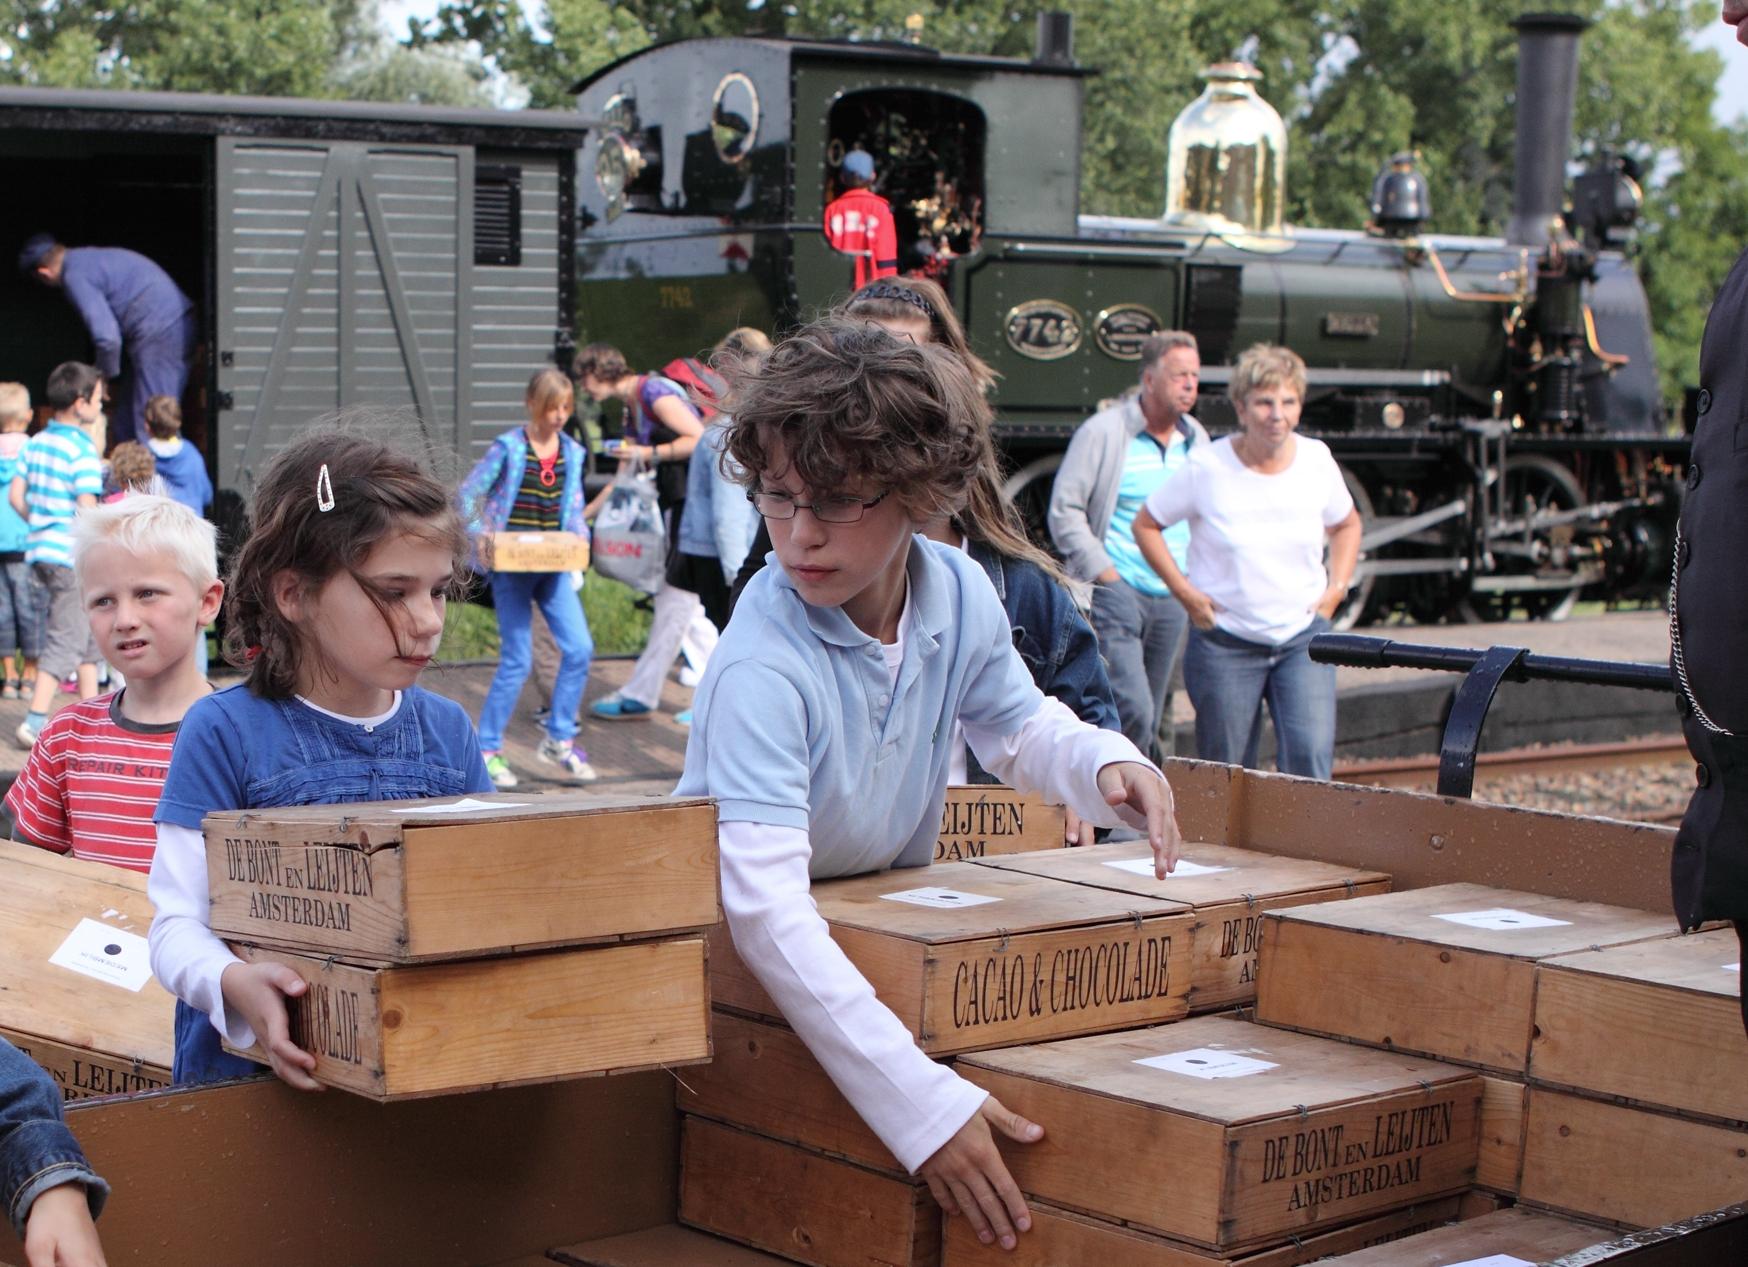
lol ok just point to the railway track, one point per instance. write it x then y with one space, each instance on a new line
1645 780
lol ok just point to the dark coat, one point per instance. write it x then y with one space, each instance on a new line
1709 630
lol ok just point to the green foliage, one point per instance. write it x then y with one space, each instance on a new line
618 625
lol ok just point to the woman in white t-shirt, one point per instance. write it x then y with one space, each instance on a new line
1261 504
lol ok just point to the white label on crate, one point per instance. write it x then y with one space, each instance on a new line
1503 919
939 897
1733 967
466 805
530 538
1494 1260
106 953
1205 1062
1185 868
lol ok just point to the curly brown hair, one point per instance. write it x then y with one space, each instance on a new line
131 465
841 401
377 491
602 361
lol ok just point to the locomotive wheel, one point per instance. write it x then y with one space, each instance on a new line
1532 484
1029 490
1353 608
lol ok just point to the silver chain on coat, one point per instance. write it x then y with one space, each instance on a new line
1675 643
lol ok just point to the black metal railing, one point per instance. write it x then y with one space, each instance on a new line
1483 669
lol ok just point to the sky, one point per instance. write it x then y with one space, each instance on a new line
1731 102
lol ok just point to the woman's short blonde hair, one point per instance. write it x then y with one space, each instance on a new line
1267 365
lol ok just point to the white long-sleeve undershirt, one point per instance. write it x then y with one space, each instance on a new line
187 957
913 1104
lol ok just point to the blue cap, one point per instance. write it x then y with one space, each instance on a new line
857 163
35 251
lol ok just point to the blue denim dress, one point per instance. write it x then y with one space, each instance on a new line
235 750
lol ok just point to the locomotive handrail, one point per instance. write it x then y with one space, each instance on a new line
1484 669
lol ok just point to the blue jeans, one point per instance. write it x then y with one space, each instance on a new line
21 616
1140 638
199 1057
1228 679
515 594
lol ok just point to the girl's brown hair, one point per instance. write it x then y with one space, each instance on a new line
131 465
988 516
841 401
547 388
374 492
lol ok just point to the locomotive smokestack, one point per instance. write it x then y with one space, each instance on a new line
1055 45
1547 89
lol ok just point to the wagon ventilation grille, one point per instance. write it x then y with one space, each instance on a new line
1211 301
497 215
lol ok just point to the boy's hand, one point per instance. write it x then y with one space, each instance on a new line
257 992
1140 790
967 1176
59 1232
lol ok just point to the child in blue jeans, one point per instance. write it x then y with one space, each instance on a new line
823 724
336 605
20 602
531 480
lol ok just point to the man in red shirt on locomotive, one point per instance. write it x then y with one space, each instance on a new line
858 221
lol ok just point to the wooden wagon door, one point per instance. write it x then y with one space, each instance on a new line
343 280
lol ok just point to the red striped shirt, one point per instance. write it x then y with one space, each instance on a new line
91 784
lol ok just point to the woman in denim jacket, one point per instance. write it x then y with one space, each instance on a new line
53 1197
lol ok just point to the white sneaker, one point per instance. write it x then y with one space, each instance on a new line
690 677
503 777
567 757
25 736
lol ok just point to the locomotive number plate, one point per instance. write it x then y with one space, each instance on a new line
1043 329
1120 331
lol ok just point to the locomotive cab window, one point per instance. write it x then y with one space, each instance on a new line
928 151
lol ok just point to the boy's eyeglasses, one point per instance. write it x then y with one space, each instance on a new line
829 510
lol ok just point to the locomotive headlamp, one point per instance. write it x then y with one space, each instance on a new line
1394 416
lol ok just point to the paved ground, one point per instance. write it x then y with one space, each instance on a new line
645 756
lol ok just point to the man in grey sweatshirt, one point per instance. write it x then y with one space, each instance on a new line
1115 459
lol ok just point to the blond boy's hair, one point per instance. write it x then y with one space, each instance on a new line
141 523
14 402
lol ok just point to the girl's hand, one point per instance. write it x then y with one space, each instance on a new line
967 1175
1075 829
59 1232
1200 607
1147 796
257 992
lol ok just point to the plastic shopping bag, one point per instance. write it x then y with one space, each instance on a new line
630 541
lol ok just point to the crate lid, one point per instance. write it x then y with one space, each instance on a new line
1223 1070
1206 874
373 825
956 901
1527 1236
1477 917
1705 963
56 912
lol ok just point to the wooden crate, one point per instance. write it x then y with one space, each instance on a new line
1396 970
1605 1021
85 1024
762 1078
1516 1236
982 820
802 1204
1061 1238
665 1246
431 1029
1230 1135
539 552
1629 1166
420 881
1004 958
1229 890
1503 1103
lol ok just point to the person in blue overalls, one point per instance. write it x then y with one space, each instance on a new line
126 301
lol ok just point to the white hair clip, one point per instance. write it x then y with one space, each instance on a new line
324 490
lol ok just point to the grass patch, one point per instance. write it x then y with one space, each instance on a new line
470 631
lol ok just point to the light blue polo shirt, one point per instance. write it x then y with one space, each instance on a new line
797 722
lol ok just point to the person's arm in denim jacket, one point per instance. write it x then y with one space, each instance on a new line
38 1156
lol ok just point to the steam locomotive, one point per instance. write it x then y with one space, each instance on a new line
1493 402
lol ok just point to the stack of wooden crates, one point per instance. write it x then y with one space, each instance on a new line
456 945
1603 1040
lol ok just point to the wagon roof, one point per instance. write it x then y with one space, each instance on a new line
893 51
216 115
